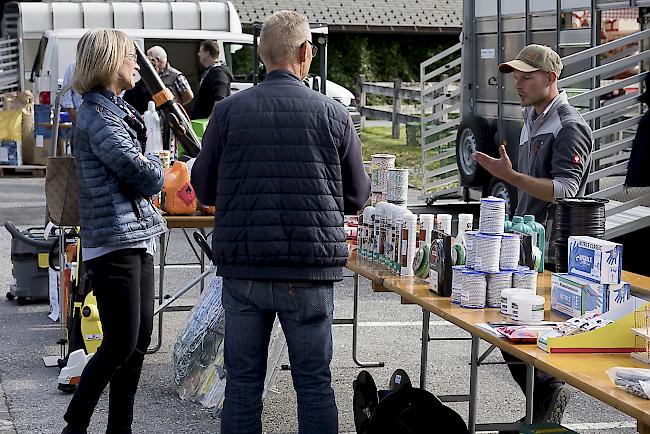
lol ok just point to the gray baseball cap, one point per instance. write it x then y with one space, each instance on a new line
534 58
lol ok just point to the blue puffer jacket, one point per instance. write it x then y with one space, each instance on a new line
114 182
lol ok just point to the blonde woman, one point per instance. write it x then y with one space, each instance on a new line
118 225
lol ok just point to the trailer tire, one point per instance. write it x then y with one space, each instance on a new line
474 134
502 189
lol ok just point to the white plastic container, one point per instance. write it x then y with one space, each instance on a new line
527 308
426 227
408 246
154 129
444 223
506 298
465 222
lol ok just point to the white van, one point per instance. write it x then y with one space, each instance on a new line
58 47
46 35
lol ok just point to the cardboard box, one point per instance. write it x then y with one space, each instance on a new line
595 259
615 337
41 151
10 153
574 296
617 295
566 297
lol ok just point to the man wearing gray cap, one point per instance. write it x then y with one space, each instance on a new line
554 159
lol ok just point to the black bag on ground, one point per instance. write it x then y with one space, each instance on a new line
403 409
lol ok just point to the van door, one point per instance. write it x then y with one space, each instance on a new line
38 73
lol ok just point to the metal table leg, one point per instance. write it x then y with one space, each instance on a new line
530 386
424 349
202 261
355 327
473 385
161 285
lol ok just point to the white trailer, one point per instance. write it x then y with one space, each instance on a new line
602 79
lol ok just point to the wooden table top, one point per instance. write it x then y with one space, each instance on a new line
583 371
189 221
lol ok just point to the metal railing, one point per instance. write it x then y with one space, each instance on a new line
9 67
440 98
613 122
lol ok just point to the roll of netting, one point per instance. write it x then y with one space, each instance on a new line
576 216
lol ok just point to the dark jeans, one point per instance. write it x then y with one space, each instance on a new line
305 311
123 282
544 384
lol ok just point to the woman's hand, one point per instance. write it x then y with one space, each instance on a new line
143 158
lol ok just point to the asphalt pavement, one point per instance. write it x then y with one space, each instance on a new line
389 332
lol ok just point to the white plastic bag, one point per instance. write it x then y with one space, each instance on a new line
633 380
197 357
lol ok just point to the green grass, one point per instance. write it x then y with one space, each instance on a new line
378 140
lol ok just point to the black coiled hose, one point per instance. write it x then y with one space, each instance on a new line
576 216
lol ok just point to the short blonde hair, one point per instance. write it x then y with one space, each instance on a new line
100 53
282 35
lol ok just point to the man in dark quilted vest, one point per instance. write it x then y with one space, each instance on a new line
282 163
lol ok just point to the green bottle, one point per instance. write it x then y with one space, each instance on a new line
518 225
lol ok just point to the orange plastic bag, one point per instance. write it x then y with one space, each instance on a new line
178 196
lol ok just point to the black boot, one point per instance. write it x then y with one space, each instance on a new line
68 430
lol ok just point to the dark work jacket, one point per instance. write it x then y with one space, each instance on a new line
214 86
282 163
638 174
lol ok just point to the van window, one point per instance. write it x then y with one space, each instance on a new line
239 57
38 60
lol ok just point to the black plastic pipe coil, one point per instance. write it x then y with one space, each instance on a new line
576 216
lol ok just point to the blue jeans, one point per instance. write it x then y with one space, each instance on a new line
305 312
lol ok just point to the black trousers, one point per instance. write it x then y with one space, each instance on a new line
544 384
123 283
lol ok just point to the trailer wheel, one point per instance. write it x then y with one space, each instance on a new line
10 296
505 191
22 301
474 134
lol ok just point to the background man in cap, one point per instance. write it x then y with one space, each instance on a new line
553 163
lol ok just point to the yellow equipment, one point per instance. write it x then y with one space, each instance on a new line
91 326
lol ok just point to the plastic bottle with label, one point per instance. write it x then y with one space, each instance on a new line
539 233
154 129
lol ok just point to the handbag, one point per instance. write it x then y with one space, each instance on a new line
61 191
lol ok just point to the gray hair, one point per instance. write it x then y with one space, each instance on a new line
158 52
282 35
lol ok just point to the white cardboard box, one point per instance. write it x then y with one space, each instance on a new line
595 259
574 296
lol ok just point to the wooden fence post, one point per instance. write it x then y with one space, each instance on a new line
397 86
361 80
